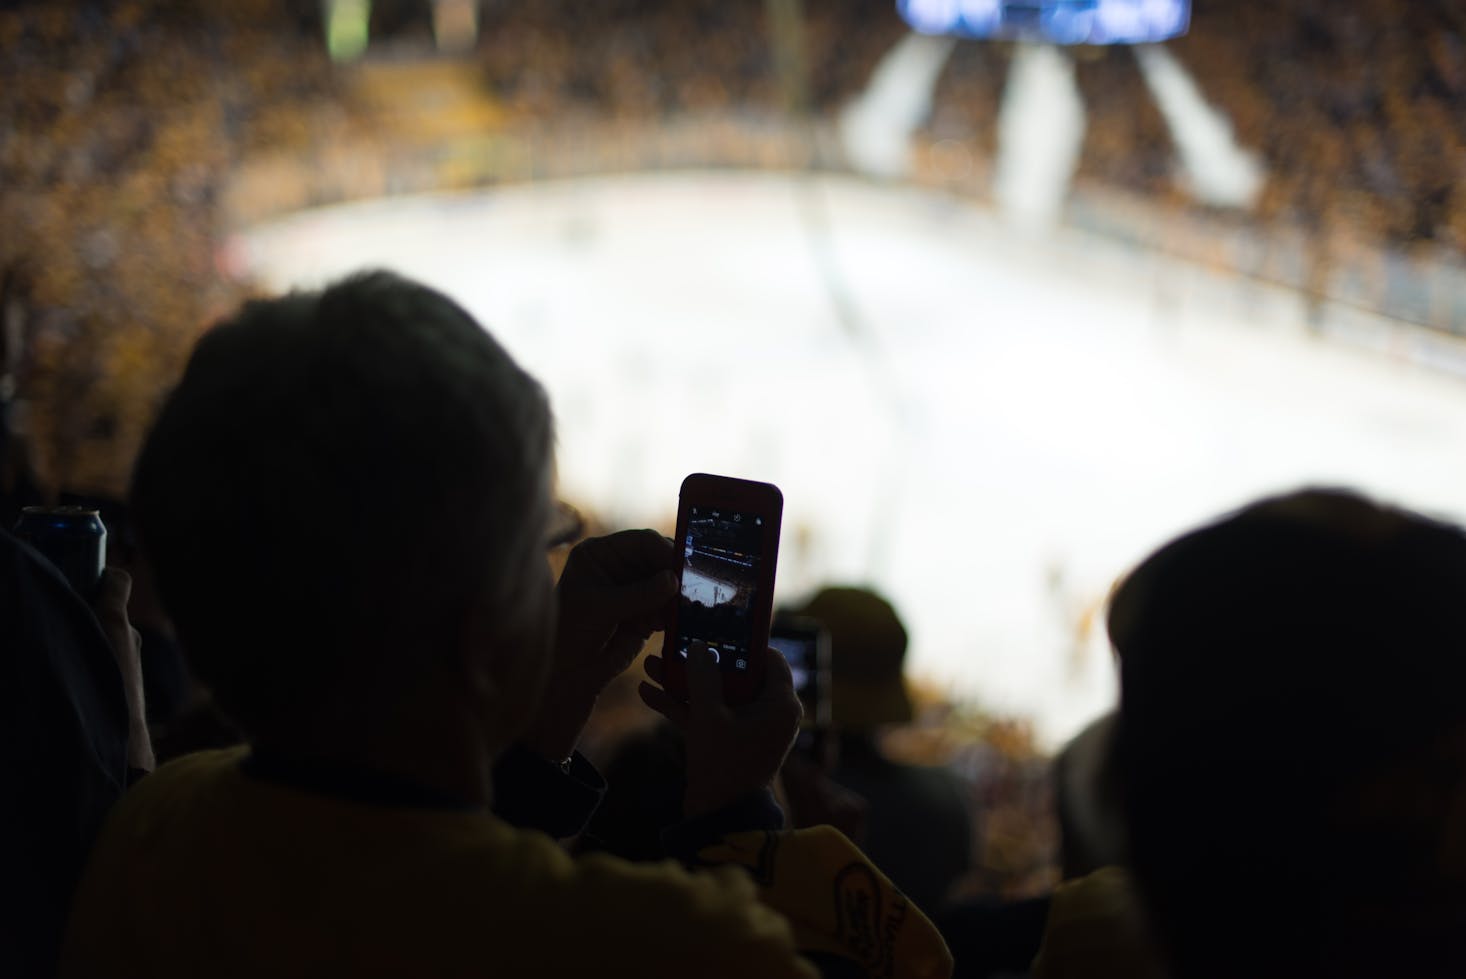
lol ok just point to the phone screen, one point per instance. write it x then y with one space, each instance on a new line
721 574
803 646
802 653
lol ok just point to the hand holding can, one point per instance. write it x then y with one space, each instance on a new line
72 538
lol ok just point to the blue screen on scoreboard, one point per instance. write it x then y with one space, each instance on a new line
1055 21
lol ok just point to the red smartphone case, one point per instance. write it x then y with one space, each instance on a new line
742 496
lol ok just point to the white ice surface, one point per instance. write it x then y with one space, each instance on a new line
1047 412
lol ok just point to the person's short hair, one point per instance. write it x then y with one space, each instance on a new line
1290 740
339 476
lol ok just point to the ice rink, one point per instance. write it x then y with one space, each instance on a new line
988 428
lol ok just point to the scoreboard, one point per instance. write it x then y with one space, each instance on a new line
1053 21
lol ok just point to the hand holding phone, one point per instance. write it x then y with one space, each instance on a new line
731 751
728 540
614 593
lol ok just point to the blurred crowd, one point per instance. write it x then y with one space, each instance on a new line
1358 111
122 126
647 59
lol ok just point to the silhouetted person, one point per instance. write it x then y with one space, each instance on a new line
918 828
1087 793
165 677
1291 747
71 718
346 505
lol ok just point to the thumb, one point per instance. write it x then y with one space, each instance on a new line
778 693
704 681
778 678
114 591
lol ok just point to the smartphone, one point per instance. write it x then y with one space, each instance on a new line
805 644
728 533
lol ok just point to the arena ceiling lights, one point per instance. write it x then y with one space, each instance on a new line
1052 21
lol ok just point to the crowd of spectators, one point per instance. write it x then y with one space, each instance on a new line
126 123
639 59
120 124
1358 111
1278 792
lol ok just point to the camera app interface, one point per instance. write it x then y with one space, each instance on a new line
720 580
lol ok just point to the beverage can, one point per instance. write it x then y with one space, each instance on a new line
72 538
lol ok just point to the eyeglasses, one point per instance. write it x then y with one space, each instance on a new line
566 526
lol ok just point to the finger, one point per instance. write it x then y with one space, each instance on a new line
656 669
778 678
704 679
626 642
778 689
645 549
663 703
648 624
632 553
641 598
659 619
114 590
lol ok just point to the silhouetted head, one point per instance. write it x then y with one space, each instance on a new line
1292 740
347 493
867 657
